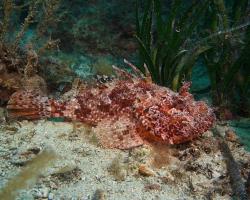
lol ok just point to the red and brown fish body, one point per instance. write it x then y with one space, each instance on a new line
124 113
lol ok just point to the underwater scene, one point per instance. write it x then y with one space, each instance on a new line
124 100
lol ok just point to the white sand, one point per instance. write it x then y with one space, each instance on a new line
82 167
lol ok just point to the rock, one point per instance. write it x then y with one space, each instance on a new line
53 185
22 158
168 178
248 184
83 67
50 196
99 195
231 136
35 83
153 186
41 192
67 174
34 150
208 134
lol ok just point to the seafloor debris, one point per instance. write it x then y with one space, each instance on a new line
117 169
153 186
198 168
67 174
160 155
237 183
145 171
28 175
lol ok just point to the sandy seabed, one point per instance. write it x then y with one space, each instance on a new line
82 169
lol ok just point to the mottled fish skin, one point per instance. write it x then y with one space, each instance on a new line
124 113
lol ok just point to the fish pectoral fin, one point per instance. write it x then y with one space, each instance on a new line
120 134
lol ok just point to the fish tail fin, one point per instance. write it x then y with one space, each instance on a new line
29 105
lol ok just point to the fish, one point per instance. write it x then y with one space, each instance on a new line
124 113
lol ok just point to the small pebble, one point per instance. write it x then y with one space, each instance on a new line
99 195
51 196
145 171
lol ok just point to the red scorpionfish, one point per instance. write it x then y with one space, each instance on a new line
123 113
